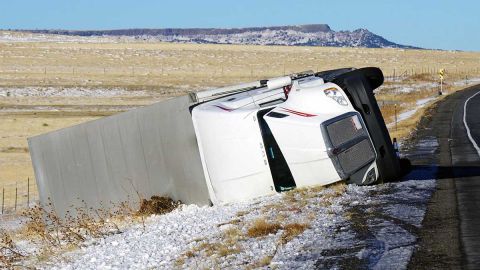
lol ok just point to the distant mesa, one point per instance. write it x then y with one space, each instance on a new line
292 35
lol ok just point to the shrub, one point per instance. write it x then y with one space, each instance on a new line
261 227
9 254
157 205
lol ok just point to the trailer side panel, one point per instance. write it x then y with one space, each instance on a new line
122 158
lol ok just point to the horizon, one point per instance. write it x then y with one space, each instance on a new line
424 28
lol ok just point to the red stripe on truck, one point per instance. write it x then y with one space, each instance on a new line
223 108
299 113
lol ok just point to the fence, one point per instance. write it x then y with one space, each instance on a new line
203 70
17 196
395 74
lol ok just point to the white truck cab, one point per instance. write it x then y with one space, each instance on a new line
274 135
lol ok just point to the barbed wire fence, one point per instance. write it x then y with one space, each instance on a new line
15 197
253 71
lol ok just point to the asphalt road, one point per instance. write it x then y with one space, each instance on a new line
450 236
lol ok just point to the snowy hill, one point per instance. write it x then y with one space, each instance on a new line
298 35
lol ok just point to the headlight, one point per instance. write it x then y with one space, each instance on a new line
336 95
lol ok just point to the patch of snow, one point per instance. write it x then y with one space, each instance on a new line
11 222
423 101
368 226
75 108
467 82
385 243
67 92
412 87
409 113
407 88
13 37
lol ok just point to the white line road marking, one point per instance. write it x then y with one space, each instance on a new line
466 125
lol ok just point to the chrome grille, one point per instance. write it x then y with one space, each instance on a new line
356 156
344 130
349 146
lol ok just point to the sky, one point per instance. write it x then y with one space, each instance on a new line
449 25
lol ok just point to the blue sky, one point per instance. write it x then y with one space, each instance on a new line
452 25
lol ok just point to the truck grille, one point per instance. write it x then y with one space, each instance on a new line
348 143
344 130
356 156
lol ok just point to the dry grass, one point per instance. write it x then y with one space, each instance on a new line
281 217
261 227
421 77
404 101
173 64
211 249
333 191
52 235
14 130
157 205
232 234
241 213
276 223
9 253
405 128
336 189
407 102
189 254
292 230
225 250
274 207
230 245
263 262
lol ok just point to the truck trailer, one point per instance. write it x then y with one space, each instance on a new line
223 145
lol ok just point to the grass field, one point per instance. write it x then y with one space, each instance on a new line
47 85
165 66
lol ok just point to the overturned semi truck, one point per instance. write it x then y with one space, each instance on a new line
222 145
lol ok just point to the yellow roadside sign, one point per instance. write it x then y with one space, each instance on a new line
441 73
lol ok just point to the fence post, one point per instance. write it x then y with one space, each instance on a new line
28 192
396 122
3 199
16 194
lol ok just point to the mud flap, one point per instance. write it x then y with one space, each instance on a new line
359 85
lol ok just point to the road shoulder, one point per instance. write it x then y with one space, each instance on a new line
439 245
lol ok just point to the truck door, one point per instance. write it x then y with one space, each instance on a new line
281 174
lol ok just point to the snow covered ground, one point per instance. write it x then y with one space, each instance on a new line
10 37
409 113
399 87
467 82
348 226
425 101
67 92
